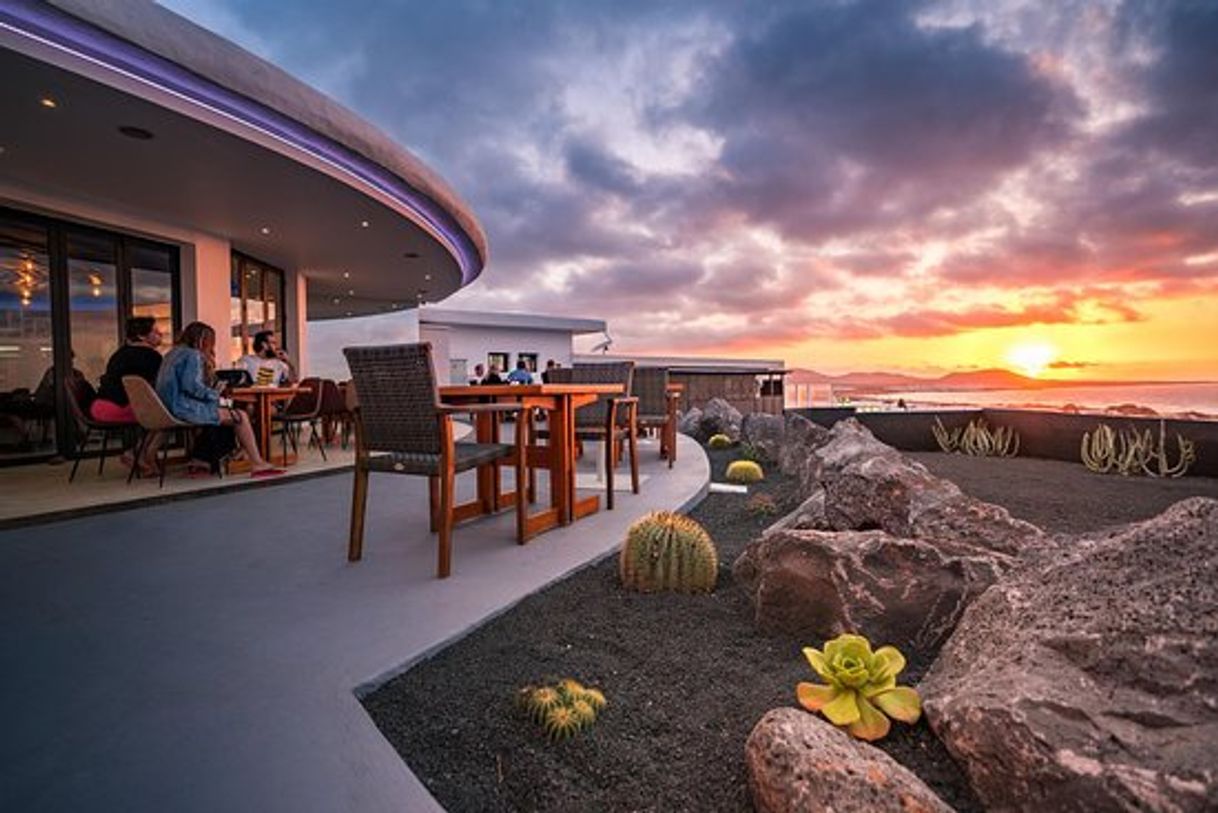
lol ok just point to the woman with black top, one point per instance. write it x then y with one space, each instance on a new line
139 356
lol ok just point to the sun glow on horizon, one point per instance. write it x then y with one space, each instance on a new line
1031 358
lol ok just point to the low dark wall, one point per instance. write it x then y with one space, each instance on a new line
1051 435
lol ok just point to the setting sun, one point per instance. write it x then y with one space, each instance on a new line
1032 357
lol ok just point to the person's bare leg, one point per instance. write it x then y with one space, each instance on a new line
245 439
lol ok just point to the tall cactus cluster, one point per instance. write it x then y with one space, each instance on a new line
1133 452
977 439
667 551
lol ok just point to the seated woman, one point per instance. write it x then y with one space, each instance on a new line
138 356
183 384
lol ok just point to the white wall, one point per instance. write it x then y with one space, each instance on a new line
474 343
328 337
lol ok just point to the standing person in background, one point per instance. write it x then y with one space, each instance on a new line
551 364
521 374
493 376
268 365
479 372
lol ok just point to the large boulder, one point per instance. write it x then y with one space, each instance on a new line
765 433
910 552
1088 678
799 763
799 439
908 592
690 423
721 418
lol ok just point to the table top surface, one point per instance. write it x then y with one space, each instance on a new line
524 390
268 390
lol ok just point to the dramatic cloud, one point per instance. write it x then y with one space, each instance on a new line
728 177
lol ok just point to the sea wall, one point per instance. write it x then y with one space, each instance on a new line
1050 435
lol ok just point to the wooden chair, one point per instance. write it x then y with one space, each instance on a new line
402 428
611 419
657 407
79 395
154 418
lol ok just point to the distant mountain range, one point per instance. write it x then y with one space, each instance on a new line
996 379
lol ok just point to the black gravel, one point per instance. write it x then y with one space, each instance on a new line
686 677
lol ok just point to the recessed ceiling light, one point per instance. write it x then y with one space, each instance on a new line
337 300
411 255
346 275
350 292
363 224
265 230
427 277
48 103
138 133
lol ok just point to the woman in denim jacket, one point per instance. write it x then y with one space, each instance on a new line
183 385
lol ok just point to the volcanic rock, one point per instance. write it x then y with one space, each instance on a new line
1087 679
720 418
907 592
690 423
765 433
797 762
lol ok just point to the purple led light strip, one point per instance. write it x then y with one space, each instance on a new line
48 24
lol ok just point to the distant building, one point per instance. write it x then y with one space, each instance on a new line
462 339
750 385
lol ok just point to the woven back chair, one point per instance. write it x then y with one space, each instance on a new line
611 418
614 372
402 428
153 417
657 407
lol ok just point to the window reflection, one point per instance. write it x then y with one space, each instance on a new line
92 301
27 382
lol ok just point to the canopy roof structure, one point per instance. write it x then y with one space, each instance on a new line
136 109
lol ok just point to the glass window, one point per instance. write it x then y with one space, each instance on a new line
529 359
92 301
152 269
497 362
27 364
257 297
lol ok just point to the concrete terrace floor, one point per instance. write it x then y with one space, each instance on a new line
205 655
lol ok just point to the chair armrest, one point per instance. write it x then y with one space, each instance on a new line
625 399
465 409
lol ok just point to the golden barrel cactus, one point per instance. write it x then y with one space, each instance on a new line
667 551
744 471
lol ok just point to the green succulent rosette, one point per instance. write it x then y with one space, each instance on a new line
861 690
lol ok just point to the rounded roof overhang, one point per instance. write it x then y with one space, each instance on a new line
240 149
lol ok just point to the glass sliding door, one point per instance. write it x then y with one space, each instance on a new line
93 303
153 270
28 394
66 292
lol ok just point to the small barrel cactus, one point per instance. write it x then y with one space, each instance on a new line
562 722
667 551
744 471
563 709
720 441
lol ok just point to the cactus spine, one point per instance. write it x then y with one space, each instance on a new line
667 551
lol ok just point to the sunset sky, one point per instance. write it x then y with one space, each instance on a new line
919 187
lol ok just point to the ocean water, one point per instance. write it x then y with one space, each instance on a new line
1165 399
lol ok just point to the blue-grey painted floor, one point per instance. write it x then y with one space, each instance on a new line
203 655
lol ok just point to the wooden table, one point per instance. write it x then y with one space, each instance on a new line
262 398
558 456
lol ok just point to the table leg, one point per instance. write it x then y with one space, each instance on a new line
264 428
